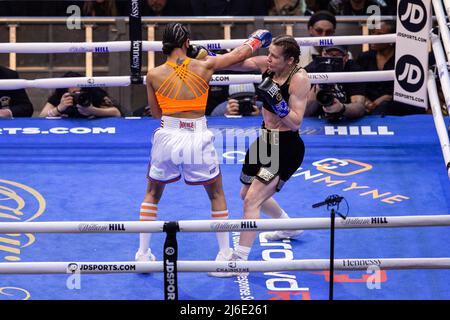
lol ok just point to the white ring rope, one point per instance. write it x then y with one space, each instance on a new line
124 81
224 225
438 118
75 82
123 46
443 27
441 64
447 6
221 266
345 77
224 79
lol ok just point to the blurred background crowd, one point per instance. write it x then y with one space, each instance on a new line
322 18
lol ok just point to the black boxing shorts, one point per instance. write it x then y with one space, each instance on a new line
273 153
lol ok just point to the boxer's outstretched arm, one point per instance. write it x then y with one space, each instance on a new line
257 63
258 39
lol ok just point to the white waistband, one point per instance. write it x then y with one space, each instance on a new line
184 123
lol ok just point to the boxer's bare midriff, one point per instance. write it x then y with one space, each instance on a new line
186 114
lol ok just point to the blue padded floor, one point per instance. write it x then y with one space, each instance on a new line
67 170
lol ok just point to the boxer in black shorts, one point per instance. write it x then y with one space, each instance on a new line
289 148
278 152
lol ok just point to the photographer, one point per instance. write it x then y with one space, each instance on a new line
80 103
241 102
320 24
335 101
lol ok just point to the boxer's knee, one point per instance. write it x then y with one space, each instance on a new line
244 190
252 206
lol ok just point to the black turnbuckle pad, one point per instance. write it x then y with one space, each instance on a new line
170 260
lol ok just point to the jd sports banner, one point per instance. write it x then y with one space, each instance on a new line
411 55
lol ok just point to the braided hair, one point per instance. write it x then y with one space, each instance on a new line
289 45
174 36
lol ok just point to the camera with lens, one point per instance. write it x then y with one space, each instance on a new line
82 98
5 102
327 92
245 101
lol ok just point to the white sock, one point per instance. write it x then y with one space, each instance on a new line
148 212
144 242
223 238
242 251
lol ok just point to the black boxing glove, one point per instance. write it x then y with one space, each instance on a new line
271 93
198 52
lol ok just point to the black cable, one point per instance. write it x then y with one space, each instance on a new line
343 216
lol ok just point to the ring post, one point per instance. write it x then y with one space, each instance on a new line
331 201
170 260
135 28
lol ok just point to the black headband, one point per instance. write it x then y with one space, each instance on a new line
322 15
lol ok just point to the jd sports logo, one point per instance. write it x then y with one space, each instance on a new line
72 267
170 251
413 15
410 73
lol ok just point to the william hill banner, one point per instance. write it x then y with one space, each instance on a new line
411 51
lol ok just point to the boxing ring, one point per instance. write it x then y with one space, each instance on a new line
78 179
393 179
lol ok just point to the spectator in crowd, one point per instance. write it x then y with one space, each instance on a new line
33 8
320 24
80 103
357 7
230 7
391 8
287 7
100 8
379 95
13 103
381 56
312 6
168 8
241 102
159 8
348 98
155 8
